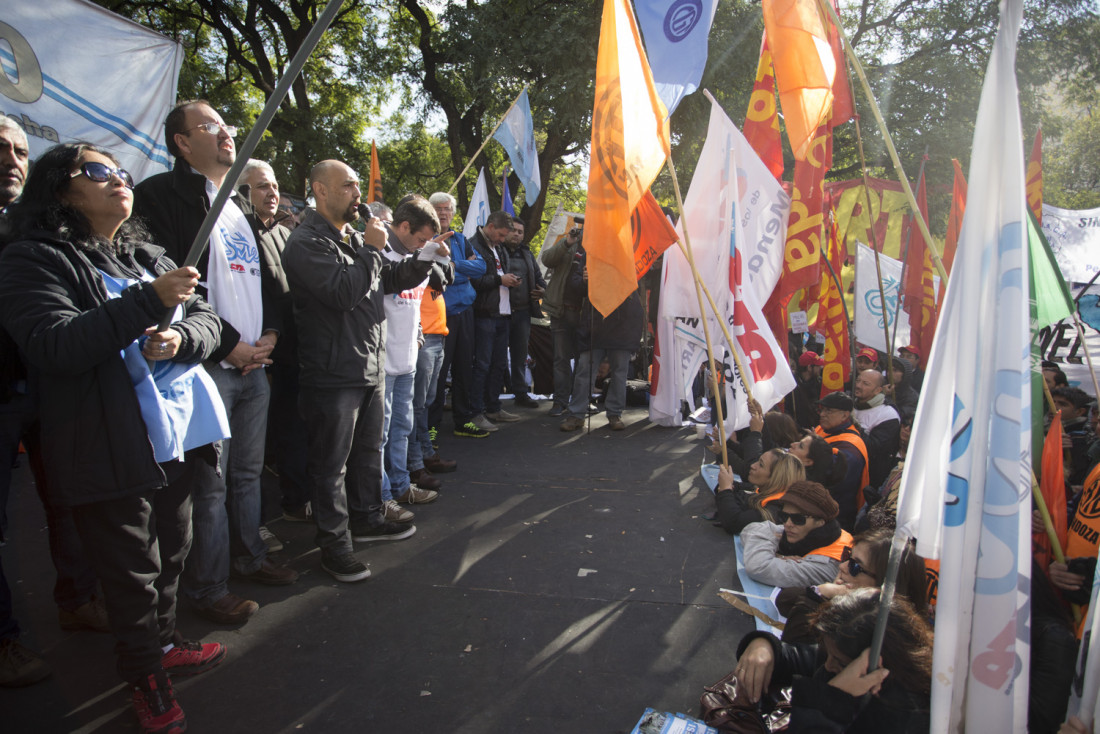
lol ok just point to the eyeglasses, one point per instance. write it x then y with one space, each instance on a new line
854 566
213 127
101 173
796 518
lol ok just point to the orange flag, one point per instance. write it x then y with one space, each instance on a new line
833 323
652 233
761 127
1035 177
805 68
955 219
1053 487
917 283
374 189
629 145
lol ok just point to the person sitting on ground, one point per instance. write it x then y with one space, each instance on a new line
901 393
863 566
841 432
830 683
804 547
879 422
824 465
765 432
741 503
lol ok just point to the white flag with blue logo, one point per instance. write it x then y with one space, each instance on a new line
517 134
675 36
966 487
478 213
74 71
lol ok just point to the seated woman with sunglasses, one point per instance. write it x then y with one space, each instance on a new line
831 690
741 503
805 549
128 414
828 466
863 566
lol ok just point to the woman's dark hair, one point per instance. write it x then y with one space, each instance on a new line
40 206
912 580
848 621
780 431
827 466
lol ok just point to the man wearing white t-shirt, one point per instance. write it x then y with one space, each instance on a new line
226 513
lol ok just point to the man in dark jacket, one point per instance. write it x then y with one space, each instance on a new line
525 304
338 279
880 423
226 512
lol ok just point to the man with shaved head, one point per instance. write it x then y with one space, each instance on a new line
880 422
338 279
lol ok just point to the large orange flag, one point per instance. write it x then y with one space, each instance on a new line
805 68
761 127
629 146
833 321
374 188
1053 487
955 218
917 282
652 233
1035 177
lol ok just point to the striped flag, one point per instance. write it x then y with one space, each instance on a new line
517 134
478 213
966 486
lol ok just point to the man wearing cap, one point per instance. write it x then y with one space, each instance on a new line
837 427
866 359
800 401
880 423
912 355
806 549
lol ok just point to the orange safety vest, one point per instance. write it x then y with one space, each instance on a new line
835 549
772 498
1084 533
851 437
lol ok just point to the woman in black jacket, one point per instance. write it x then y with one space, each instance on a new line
127 416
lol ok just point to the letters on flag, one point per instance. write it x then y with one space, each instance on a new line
762 119
966 485
517 134
676 36
652 232
478 213
374 188
114 93
629 145
833 323
1074 237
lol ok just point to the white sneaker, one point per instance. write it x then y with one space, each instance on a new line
274 545
502 416
396 513
484 423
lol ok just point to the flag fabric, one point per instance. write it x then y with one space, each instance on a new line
1052 484
870 315
506 195
652 233
1035 177
805 68
966 485
478 213
832 321
918 292
629 146
762 119
1074 236
374 188
517 134
1083 700
955 218
57 95
676 36
713 220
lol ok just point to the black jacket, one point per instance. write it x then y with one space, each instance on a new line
272 243
338 290
54 304
487 302
173 205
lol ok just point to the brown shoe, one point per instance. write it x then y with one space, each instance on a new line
615 423
571 423
89 616
436 465
424 479
230 609
268 573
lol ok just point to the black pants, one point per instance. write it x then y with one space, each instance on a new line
458 358
137 545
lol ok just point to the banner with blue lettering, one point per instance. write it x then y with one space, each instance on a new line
75 71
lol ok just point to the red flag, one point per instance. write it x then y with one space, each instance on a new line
1035 177
1053 487
374 188
955 219
652 232
832 321
917 284
762 119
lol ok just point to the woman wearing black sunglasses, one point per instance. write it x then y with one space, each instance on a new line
127 418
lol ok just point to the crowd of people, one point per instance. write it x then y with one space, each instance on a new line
147 394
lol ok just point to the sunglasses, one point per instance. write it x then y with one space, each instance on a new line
796 518
854 566
212 128
101 173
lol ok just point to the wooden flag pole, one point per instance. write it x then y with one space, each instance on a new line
487 139
1048 525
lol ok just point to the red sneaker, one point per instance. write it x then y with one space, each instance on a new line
192 658
156 707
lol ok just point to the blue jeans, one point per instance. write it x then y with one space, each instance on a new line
397 427
587 362
564 331
429 362
490 362
226 515
345 460
519 334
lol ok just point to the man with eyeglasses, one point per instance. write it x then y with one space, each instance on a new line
226 515
837 427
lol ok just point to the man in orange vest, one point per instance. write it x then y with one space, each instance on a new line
837 427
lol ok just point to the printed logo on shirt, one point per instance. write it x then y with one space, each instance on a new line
238 247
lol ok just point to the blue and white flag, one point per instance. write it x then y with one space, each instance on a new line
966 487
676 36
506 195
478 213
517 134
74 71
